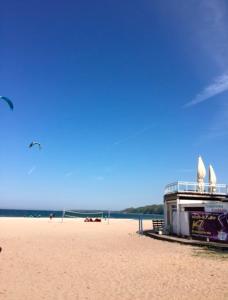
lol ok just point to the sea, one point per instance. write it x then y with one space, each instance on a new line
27 213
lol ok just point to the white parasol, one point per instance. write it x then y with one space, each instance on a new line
212 179
201 173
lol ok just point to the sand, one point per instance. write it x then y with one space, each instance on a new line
75 260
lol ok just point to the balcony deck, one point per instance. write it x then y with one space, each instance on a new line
193 187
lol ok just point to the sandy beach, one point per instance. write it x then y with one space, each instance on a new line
76 260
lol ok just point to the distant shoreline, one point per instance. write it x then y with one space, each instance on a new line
28 213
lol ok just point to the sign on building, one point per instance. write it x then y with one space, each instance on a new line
209 225
216 207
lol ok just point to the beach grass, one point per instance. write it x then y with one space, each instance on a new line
207 252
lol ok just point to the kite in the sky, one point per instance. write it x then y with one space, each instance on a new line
35 143
8 101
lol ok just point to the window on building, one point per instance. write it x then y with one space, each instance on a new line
194 209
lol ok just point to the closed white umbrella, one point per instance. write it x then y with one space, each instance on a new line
201 173
212 179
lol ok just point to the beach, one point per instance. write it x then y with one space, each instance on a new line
43 259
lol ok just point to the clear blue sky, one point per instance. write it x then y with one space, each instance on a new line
123 96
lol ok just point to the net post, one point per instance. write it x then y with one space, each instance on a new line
63 214
108 216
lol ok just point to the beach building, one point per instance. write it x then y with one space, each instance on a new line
197 209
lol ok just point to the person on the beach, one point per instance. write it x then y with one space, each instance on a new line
51 216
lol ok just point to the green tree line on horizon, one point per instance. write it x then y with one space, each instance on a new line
148 209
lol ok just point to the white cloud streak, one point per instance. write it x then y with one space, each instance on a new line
31 170
213 33
219 86
204 26
134 135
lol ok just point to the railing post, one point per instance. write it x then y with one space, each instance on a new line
139 225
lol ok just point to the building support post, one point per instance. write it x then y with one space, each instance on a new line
178 217
167 226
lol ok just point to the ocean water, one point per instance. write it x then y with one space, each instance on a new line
82 214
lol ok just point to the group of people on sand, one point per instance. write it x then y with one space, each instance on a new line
91 220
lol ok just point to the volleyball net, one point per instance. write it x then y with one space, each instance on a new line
83 215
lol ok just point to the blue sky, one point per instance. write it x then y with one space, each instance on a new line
123 96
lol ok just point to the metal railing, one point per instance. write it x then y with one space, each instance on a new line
195 187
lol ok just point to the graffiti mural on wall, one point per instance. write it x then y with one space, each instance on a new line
209 225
